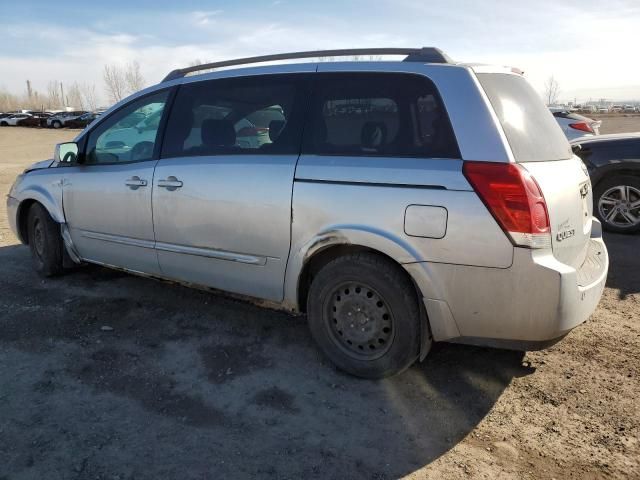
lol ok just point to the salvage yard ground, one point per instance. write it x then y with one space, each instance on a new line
104 375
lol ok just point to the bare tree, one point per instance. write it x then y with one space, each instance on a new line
133 77
89 95
74 97
53 95
122 80
8 101
114 82
551 91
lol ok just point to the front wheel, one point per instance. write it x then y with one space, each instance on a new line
4 124
617 203
363 313
56 124
45 242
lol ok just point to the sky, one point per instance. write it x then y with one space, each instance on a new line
589 46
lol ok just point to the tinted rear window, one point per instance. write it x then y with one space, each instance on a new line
237 116
532 132
379 114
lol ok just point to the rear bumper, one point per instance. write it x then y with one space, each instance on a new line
529 305
12 215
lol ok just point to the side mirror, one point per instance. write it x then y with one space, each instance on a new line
66 152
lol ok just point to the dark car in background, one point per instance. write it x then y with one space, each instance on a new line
82 121
37 119
613 162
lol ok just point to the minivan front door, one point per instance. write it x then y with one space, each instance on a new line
107 199
222 189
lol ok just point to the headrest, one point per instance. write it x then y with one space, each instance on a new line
374 135
217 133
275 129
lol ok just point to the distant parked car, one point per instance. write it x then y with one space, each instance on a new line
60 120
82 121
613 162
13 119
603 109
629 109
574 125
37 119
588 109
616 108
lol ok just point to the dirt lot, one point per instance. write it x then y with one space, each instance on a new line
192 385
618 123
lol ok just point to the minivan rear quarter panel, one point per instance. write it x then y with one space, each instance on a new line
342 199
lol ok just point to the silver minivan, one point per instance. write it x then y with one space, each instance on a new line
396 203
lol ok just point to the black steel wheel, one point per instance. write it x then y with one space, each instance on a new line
361 320
364 314
45 241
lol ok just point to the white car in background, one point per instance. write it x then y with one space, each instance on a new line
12 120
60 120
574 125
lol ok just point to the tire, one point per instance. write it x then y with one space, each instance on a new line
45 242
56 124
4 124
363 312
621 192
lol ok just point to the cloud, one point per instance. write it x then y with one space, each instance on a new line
205 18
587 49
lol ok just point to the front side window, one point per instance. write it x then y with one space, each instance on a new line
379 114
129 134
252 115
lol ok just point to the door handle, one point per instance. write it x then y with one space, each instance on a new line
171 183
135 182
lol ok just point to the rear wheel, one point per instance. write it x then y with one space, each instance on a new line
45 242
617 203
56 124
363 313
4 124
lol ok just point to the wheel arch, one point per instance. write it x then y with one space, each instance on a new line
42 197
626 168
322 249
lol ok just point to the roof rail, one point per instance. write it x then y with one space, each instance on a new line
423 55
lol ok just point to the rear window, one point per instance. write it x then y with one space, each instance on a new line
379 114
532 132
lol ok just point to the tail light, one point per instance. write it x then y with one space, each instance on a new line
514 199
584 126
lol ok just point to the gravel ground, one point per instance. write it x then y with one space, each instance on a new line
104 375
618 123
